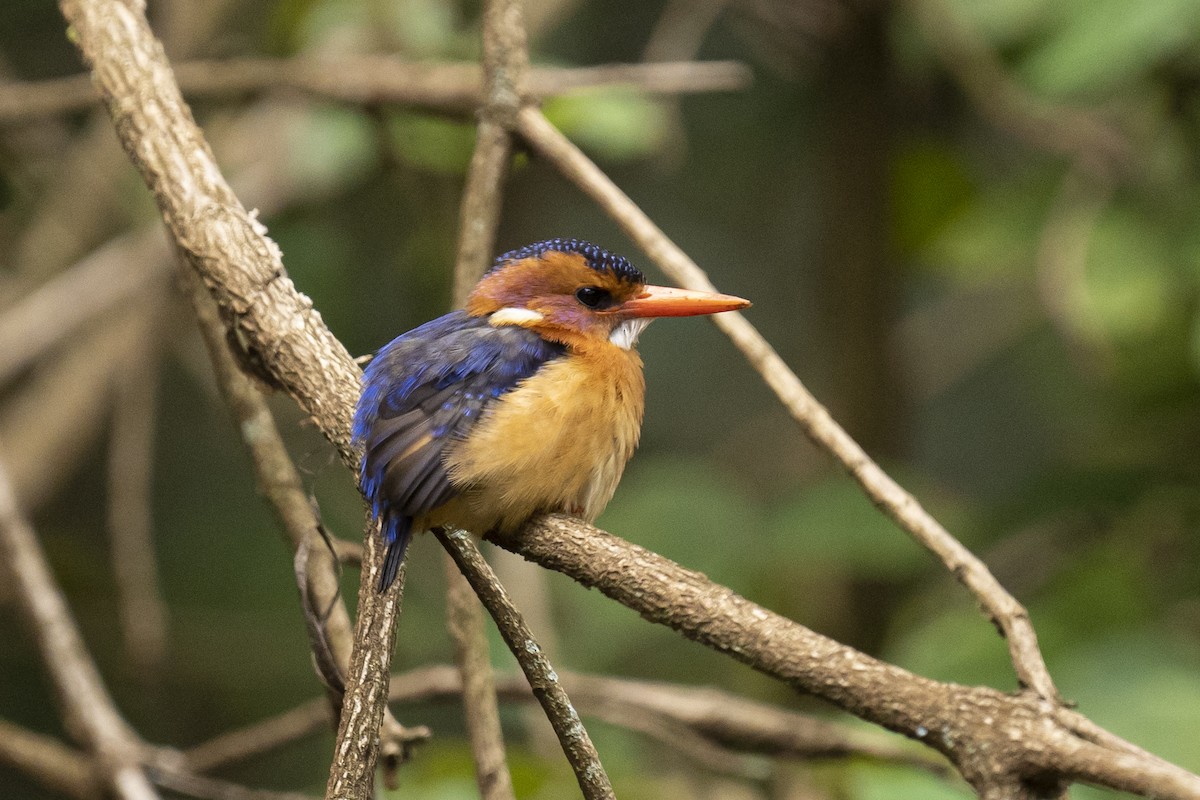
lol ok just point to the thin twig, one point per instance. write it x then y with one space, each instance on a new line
89 712
278 480
731 722
261 737
1091 141
959 721
371 80
59 308
224 243
814 419
352 773
49 427
480 707
678 34
738 724
480 213
330 631
47 761
680 29
529 587
576 744
202 787
505 73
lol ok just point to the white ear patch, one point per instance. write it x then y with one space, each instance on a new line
514 316
626 334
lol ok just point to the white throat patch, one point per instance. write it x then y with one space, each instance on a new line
626 334
512 315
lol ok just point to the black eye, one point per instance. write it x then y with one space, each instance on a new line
593 296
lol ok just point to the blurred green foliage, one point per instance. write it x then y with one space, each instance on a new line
1042 348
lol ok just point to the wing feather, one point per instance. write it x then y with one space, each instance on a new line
422 392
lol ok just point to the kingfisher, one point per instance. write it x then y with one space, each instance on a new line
527 400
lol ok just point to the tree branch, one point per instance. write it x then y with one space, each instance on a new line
352 773
271 322
330 630
88 711
728 721
278 480
371 80
814 419
48 761
226 245
992 738
480 708
573 737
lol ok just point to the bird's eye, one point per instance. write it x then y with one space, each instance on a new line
593 296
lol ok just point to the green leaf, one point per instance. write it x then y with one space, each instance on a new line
1105 44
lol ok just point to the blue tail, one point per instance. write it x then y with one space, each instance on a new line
397 531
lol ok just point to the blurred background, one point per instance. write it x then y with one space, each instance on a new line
970 226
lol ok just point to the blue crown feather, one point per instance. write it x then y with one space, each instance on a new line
594 256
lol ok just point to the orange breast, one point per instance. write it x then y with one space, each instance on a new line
557 442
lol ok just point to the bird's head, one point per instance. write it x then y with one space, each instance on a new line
574 292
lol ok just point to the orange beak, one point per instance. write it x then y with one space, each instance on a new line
664 301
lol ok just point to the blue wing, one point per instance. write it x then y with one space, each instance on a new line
424 390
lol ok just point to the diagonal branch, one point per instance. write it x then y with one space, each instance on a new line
1093 142
574 738
330 631
884 492
226 245
505 64
48 761
480 706
89 712
993 739
57 310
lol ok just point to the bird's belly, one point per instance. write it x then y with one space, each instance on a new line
558 442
